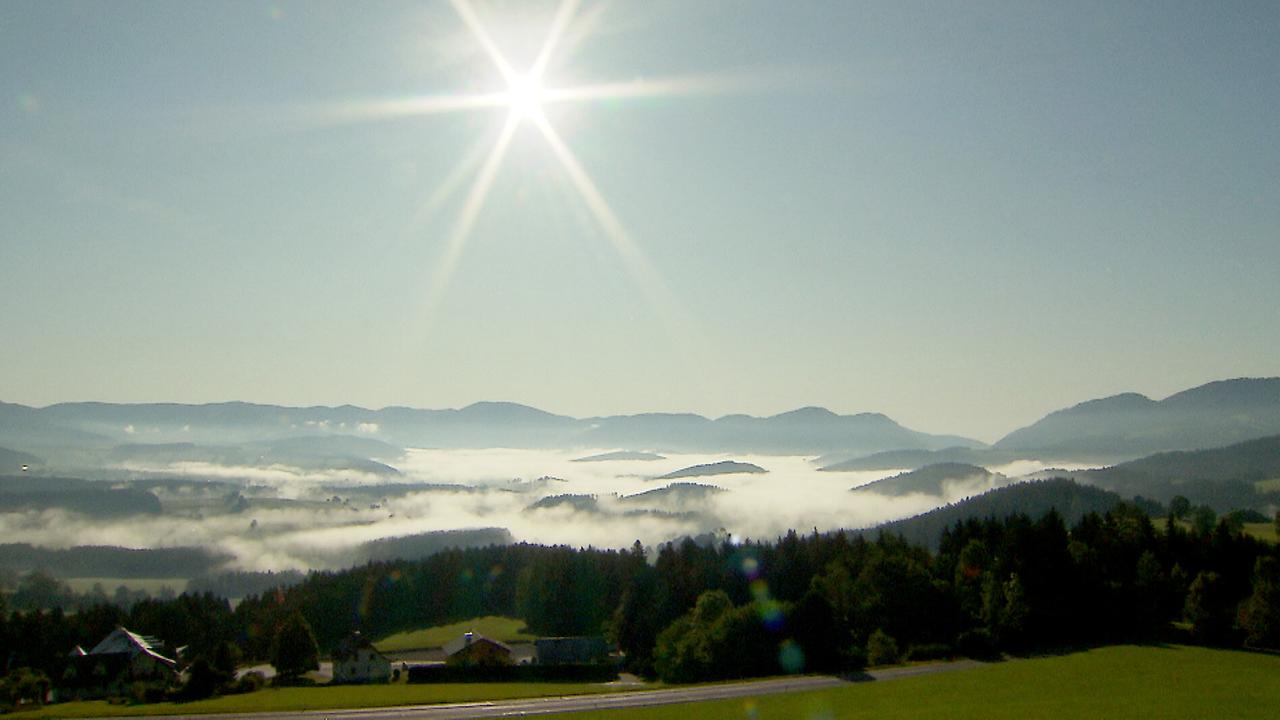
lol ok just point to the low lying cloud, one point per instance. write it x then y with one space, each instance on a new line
295 518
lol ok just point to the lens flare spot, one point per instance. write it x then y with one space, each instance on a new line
759 590
790 657
771 614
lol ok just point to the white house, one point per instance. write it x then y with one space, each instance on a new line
356 660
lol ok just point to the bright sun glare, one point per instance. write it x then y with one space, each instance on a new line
525 95
524 98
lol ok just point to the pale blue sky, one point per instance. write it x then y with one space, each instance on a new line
963 215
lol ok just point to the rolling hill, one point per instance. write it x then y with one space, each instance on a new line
724 467
1223 478
1131 425
1070 499
933 480
480 425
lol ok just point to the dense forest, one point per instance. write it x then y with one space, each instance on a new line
813 603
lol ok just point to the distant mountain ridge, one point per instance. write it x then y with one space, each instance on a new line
480 425
1120 427
1132 425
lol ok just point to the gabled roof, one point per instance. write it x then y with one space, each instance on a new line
352 644
123 642
455 646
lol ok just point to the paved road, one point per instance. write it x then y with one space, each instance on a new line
606 701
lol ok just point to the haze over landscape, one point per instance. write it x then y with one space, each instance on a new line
751 338
677 240
962 217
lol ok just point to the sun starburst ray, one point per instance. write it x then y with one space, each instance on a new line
451 182
466 219
524 98
369 110
468 15
662 87
634 261
565 14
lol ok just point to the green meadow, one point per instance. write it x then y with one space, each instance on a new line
1112 682
323 698
503 629
109 584
1262 531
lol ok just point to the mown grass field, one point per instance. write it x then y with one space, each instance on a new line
109 584
1262 531
323 698
1113 682
1272 485
503 629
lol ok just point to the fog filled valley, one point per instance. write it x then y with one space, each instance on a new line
688 550
257 489
282 517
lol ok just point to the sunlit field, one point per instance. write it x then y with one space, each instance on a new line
325 698
497 628
1113 682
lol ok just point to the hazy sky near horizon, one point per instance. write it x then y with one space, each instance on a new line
963 215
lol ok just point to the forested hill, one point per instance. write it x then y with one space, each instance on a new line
1248 461
1070 499
22 492
804 603
1222 478
107 561
931 480
12 461
1211 415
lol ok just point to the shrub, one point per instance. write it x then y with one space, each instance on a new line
882 649
930 651
250 682
977 643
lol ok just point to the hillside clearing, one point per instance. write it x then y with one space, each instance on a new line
503 629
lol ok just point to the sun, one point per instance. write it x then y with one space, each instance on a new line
525 95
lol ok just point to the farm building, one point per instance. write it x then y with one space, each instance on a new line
473 649
356 660
121 662
571 650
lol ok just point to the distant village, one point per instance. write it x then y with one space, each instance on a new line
135 667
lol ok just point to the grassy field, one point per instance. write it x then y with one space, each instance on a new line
109 584
1114 682
1262 531
503 629
1272 485
323 698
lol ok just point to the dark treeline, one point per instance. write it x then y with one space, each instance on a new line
813 603
109 561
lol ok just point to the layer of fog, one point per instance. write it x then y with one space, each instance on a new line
330 513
